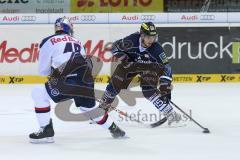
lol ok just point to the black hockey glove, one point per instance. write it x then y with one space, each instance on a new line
165 89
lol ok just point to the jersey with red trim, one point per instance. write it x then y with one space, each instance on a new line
57 49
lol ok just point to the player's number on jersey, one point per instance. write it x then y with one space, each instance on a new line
72 47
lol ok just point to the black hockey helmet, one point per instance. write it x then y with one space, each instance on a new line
148 28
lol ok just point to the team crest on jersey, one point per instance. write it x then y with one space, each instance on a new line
163 57
55 92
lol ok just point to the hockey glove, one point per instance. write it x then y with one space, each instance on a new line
165 89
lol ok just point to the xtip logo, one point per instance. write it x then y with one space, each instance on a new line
15 80
235 52
226 78
203 78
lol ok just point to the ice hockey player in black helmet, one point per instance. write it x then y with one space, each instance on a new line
148 34
141 54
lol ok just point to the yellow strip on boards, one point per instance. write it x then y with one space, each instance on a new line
177 78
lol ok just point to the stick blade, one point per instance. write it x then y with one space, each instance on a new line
158 123
206 130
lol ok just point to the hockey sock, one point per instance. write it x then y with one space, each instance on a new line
163 107
43 115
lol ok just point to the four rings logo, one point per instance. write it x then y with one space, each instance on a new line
207 17
28 18
88 18
148 17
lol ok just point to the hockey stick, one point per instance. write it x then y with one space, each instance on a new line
153 125
205 130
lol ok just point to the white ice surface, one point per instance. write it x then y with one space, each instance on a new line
213 105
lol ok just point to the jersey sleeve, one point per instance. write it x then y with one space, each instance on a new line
118 48
44 66
121 47
167 73
163 59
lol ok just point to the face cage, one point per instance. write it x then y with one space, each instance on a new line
57 28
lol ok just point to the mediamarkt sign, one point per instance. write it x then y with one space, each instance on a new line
23 55
29 54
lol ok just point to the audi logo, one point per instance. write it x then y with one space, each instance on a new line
148 17
207 17
88 18
28 18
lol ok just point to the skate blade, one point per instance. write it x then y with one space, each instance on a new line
42 141
124 137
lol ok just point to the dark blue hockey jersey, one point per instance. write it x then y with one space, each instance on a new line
131 46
